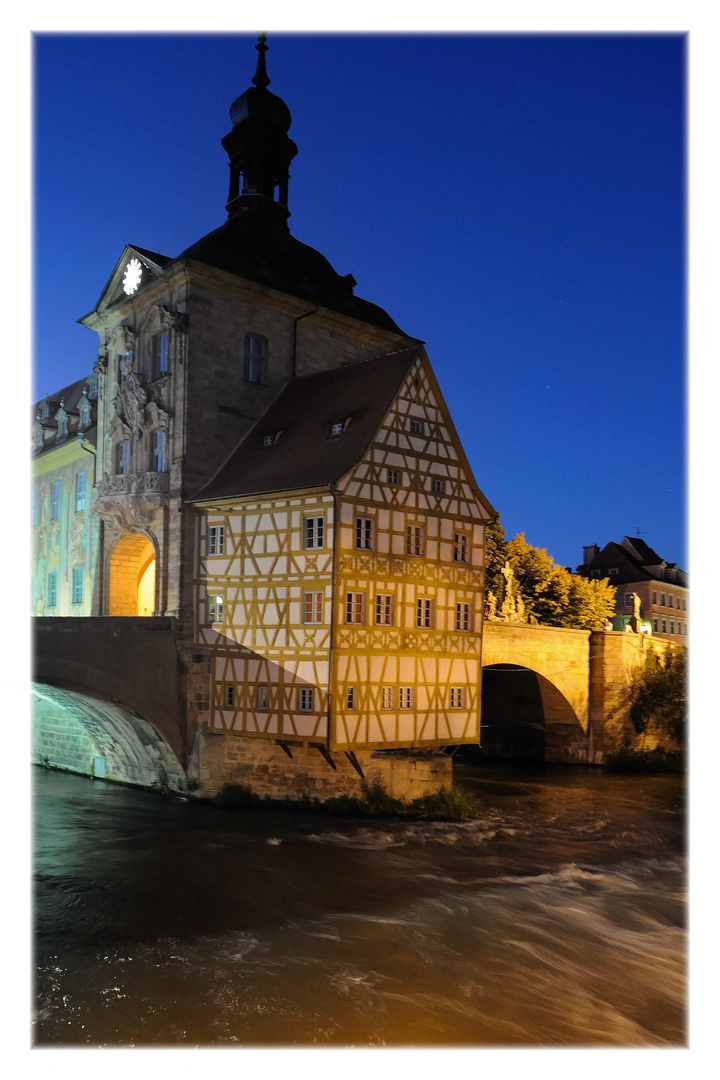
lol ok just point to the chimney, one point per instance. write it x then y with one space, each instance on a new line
589 553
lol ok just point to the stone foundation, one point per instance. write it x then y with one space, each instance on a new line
265 769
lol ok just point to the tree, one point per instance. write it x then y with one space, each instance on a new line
658 697
549 593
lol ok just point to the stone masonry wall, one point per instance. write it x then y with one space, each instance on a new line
266 769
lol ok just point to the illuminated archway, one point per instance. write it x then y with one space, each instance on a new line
131 579
525 716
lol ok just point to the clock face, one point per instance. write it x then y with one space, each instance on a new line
131 278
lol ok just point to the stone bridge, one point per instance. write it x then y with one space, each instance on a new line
125 697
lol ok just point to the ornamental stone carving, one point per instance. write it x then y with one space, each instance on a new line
130 399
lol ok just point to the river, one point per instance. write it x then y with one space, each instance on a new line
558 919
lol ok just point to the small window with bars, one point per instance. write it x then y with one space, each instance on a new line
461 547
414 540
424 613
393 476
335 430
463 616
388 697
229 697
364 533
262 697
351 698
305 699
384 609
216 540
457 697
405 697
255 358
437 486
314 532
313 607
270 438
355 607
215 608
416 427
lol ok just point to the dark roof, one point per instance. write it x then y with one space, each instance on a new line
71 396
303 455
647 556
272 256
630 568
153 256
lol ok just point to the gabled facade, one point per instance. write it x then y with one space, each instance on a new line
342 604
633 567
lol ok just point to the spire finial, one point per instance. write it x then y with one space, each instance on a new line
260 79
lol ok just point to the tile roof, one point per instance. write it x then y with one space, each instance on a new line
71 396
303 455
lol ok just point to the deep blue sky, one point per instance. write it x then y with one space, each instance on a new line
517 202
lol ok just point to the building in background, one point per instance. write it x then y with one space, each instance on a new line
633 567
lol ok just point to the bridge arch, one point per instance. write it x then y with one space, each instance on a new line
131 580
525 716
89 734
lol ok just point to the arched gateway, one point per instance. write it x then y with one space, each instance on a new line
131 576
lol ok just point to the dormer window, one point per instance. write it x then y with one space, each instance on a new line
271 438
39 435
45 409
84 410
613 570
337 428
61 417
255 359
91 385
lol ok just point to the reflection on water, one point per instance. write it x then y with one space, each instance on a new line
558 919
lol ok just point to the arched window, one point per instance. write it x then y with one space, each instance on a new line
160 355
123 458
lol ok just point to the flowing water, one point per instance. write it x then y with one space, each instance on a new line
557 919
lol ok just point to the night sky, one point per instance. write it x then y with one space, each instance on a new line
517 202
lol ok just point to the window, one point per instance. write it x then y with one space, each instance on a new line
414 540
45 409
52 589
229 697
405 697
125 367
159 451
39 436
664 626
655 625
313 607
594 573
393 477
364 533
654 596
351 698
337 429
388 697
262 698
670 600
613 570
160 354
355 607
306 699
77 585
313 532
34 510
254 361
461 548
627 598
662 599
437 486
215 604
56 500
84 410
416 427
270 438
384 609
80 481
61 417
672 626
216 540
123 458
457 697
463 617
92 385
424 612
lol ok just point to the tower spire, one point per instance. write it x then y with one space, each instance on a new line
260 77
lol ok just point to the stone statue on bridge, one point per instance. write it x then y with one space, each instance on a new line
512 608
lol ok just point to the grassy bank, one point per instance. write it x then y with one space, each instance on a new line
448 804
645 761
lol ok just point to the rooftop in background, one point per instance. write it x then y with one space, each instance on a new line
632 560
